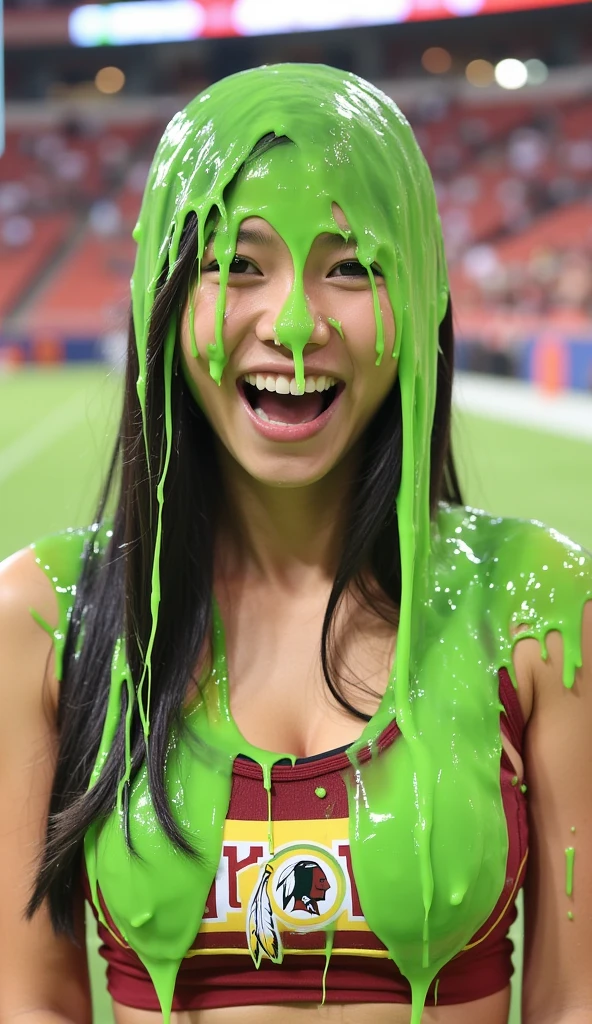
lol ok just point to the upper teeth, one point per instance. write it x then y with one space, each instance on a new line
286 385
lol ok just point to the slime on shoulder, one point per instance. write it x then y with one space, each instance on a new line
467 580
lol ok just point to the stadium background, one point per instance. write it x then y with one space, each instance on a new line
510 148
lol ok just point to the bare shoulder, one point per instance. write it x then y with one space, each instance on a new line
558 761
553 609
540 612
28 614
42 971
531 583
25 586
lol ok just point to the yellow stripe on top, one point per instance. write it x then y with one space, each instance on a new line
306 883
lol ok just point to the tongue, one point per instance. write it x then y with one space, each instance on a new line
290 408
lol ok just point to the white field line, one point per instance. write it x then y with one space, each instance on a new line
48 430
568 413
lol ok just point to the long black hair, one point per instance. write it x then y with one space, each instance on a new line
113 591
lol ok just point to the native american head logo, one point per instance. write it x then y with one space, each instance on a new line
299 892
305 883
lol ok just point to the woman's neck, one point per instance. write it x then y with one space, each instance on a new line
288 538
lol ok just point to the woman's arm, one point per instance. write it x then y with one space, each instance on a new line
43 978
558 948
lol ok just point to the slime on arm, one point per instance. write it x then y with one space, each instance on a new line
467 579
570 856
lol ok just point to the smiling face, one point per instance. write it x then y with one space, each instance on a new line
294 285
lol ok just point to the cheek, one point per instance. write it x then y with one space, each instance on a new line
388 322
362 336
359 321
204 322
196 370
236 316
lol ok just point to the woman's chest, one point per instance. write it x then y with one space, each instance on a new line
289 861
281 695
285 897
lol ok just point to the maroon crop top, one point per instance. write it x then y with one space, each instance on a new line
316 885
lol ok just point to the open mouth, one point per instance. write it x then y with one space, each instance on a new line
291 409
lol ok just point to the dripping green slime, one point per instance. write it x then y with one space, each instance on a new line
467 580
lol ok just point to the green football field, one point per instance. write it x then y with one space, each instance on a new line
56 427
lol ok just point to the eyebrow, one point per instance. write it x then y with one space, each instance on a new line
328 239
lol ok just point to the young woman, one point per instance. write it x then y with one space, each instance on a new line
281 701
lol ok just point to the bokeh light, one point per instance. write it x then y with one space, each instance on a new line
536 70
479 73
436 60
110 80
511 73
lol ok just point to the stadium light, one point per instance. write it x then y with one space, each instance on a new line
511 73
436 60
479 72
109 80
161 21
464 8
537 71
139 21
252 17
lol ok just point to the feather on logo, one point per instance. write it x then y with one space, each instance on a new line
262 927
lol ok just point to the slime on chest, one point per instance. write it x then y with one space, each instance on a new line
467 580
157 904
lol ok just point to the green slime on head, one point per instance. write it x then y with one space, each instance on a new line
426 816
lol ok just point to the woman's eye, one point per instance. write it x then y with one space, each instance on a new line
352 268
237 266
242 266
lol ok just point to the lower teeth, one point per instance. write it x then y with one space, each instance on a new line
263 416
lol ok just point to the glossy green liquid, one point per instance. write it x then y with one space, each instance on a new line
570 856
485 576
427 825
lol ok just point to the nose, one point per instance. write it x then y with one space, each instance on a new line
297 324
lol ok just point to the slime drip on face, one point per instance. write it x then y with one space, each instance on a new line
272 188
466 579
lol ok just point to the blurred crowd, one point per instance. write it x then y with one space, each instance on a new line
70 166
514 188
513 182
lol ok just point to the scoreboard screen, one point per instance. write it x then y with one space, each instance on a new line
152 21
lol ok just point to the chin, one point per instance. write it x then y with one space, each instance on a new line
288 476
